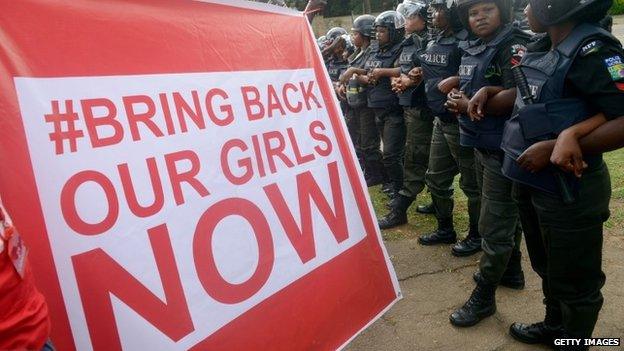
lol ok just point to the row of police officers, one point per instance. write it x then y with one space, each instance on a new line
456 87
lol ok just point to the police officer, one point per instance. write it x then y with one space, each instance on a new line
336 62
574 84
361 118
321 42
335 44
485 70
448 158
390 30
418 116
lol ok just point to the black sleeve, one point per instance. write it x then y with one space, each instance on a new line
598 76
508 56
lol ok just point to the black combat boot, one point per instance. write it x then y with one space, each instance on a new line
426 209
445 234
469 246
542 332
393 202
372 180
481 304
388 189
398 214
513 277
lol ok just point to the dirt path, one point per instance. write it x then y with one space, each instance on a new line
434 283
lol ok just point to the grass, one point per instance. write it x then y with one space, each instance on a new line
615 160
617 8
419 224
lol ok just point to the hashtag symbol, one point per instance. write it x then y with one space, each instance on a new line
67 120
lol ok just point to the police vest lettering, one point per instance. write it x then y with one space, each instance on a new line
466 71
551 112
373 63
440 60
413 96
381 94
435 59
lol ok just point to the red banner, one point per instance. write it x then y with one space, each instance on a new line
183 178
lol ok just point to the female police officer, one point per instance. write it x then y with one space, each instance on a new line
574 72
485 70
361 118
418 116
439 61
390 28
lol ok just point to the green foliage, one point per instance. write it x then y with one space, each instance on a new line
617 8
357 7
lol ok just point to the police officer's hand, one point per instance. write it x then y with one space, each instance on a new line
363 79
457 102
315 6
567 154
344 78
395 83
476 105
416 74
374 75
448 84
537 156
405 82
341 92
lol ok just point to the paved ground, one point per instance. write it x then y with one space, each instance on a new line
434 283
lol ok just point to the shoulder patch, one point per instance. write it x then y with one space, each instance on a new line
517 52
615 66
591 47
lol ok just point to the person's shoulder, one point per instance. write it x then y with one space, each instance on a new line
396 48
597 47
601 56
512 51
520 36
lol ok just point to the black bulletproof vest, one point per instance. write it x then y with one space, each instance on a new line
475 61
356 93
440 60
335 67
551 111
381 94
413 96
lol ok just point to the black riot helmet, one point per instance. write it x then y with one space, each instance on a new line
504 7
334 33
349 47
395 22
364 25
322 42
451 12
409 8
551 12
